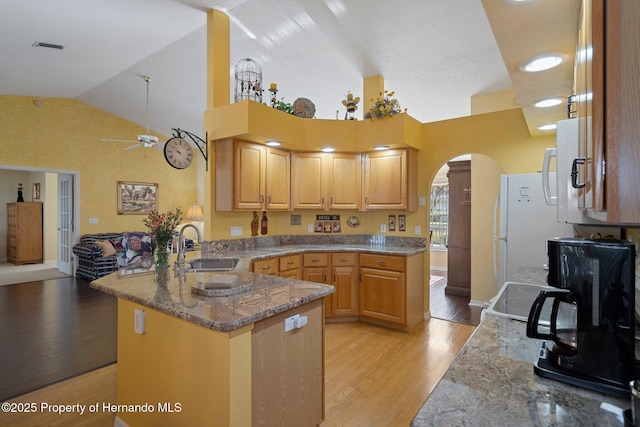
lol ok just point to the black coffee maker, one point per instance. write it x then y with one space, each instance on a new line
590 331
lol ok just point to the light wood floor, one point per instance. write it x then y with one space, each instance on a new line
374 377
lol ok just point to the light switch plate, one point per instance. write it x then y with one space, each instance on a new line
417 230
309 228
236 230
422 201
93 220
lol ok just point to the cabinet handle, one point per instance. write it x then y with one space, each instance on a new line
269 199
315 260
380 262
261 198
574 172
290 263
366 200
344 259
331 201
322 202
268 267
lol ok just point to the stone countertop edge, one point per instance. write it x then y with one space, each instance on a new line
269 295
492 382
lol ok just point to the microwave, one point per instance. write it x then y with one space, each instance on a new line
564 196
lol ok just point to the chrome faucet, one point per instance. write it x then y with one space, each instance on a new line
180 245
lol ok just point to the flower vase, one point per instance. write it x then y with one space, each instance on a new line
161 254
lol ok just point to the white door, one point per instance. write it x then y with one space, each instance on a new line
65 223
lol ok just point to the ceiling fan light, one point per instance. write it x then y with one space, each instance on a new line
548 102
543 62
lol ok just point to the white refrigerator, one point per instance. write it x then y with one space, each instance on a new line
523 223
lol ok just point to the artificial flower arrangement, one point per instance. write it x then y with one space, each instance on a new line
384 106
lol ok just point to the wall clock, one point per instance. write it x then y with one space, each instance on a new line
178 153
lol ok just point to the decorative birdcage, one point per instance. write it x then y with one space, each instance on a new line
248 76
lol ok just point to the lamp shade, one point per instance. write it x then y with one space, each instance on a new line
195 213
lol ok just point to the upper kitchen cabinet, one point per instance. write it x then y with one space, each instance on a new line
325 181
251 176
390 180
608 106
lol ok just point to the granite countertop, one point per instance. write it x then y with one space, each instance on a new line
492 383
171 293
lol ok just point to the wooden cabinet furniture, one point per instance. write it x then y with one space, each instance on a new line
390 180
24 233
285 266
459 229
608 95
288 370
289 266
324 181
315 267
251 177
392 290
344 277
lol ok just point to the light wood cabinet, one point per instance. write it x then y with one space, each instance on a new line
24 233
392 290
288 370
289 266
285 266
324 181
344 277
390 180
251 177
608 95
459 229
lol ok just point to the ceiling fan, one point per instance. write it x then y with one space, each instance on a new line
145 140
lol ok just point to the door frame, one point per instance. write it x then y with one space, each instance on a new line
75 212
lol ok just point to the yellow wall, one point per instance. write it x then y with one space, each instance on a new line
65 135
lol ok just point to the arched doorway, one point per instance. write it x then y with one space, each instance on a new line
485 186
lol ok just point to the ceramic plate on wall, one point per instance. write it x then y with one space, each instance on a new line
353 222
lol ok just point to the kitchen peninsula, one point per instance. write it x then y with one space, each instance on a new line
226 360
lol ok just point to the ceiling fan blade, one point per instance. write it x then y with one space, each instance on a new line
133 146
116 140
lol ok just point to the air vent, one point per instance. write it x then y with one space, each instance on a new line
49 45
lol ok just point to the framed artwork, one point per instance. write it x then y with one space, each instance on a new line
137 198
35 191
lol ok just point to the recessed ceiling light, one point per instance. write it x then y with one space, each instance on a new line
549 102
543 62
273 144
550 126
328 150
516 1
381 147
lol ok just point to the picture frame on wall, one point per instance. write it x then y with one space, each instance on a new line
137 198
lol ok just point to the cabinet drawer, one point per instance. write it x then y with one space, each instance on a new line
289 262
338 259
266 266
315 260
383 262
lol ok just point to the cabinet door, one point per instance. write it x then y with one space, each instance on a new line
278 179
345 189
308 181
344 301
382 295
290 267
315 274
386 180
249 173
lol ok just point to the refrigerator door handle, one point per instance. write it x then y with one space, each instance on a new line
496 239
546 189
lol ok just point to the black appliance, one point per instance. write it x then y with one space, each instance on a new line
590 329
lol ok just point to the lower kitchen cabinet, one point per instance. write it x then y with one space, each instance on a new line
344 277
285 266
392 290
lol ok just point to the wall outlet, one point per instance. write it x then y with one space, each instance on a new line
236 230
422 201
290 322
93 220
383 228
417 230
309 228
139 325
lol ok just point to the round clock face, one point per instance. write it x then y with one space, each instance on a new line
178 153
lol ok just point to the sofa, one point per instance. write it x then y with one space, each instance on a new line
103 253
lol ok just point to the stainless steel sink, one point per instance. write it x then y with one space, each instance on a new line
212 264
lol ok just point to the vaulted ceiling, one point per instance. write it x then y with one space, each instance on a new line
434 54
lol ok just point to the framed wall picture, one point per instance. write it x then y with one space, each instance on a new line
137 198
